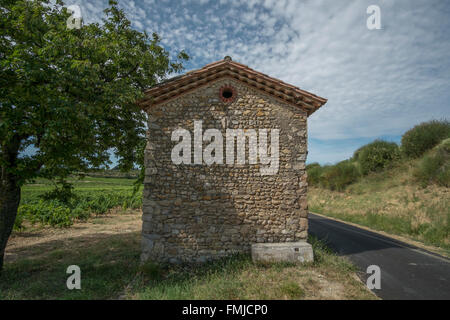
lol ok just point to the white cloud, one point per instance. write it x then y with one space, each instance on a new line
378 82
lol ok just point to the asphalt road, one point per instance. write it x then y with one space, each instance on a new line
407 272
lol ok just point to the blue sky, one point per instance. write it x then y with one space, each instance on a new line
378 83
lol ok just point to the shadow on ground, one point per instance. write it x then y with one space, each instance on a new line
108 262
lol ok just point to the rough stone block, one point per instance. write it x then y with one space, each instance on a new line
296 252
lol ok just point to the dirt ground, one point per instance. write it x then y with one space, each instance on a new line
23 244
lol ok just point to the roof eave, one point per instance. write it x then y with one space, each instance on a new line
170 88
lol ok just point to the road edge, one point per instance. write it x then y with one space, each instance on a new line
416 245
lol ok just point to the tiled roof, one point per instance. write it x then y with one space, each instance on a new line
174 87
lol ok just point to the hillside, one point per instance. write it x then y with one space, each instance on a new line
406 198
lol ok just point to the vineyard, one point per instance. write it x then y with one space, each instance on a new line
91 195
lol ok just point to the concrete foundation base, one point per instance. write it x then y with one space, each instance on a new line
296 252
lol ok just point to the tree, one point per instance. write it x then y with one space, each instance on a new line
69 94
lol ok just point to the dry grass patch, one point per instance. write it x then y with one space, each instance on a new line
107 249
329 277
393 203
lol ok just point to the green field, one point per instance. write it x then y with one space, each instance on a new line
91 195
84 186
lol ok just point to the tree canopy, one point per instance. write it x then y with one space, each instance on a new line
70 94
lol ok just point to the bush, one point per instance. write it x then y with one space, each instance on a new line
356 154
335 177
51 213
377 155
312 165
339 176
100 203
63 194
314 173
18 223
80 213
435 167
63 212
423 137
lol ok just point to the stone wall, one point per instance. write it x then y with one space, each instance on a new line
198 212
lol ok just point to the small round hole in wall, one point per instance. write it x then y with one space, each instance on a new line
227 94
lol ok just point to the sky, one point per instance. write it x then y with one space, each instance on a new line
379 83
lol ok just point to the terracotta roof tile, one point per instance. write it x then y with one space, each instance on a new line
179 85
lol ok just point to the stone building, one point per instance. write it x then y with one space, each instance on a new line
210 190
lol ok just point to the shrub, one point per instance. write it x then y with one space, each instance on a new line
314 173
423 137
51 213
377 155
312 165
339 176
100 203
356 154
80 213
18 223
63 194
435 166
80 206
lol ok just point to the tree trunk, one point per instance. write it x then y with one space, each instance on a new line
9 202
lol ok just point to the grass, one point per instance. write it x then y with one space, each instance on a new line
32 191
391 201
107 250
92 196
108 263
